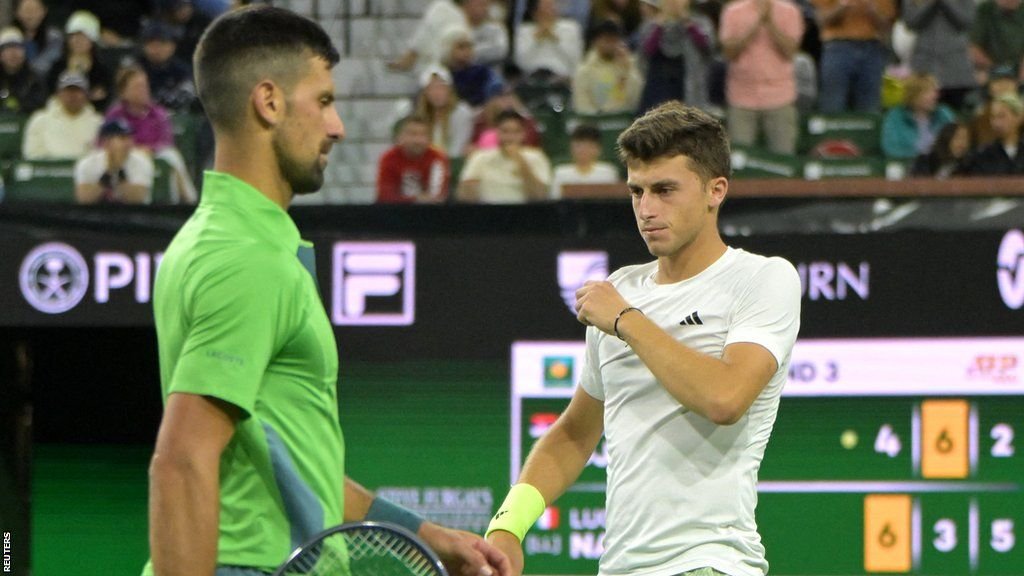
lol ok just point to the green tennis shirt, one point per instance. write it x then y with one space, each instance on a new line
239 318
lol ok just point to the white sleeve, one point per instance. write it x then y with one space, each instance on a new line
472 170
90 168
539 164
590 372
768 313
139 169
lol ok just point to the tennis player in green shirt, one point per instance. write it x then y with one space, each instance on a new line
249 459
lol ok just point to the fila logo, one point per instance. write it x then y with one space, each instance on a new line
692 320
374 284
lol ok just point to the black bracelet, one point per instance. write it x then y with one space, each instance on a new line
615 327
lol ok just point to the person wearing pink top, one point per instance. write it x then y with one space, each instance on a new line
760 39
151 126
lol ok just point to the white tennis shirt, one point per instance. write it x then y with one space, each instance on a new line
682 489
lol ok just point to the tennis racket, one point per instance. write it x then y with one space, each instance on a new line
363 549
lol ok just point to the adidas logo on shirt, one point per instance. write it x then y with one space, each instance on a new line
692 320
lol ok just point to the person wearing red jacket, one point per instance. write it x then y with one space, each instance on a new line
412 170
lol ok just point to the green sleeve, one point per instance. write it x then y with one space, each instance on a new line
238 319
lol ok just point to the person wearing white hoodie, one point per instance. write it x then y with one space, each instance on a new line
66 128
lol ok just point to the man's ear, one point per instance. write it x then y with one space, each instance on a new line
717 189
268 103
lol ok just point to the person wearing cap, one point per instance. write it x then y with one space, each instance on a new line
760 39
170 78
81 37
66 128
1001 80
512 173
548 44
608 81
21 91
151 126
1005 155
115 172
942 48
450 119
43 42
471 80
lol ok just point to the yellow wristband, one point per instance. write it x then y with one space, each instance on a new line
521 508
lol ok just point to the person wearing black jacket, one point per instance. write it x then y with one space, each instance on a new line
1005 156
21 91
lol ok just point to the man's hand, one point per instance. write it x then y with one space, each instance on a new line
463 553
598 303
512 548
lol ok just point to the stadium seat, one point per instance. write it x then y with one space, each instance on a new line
41 181
756 162
10 135
823 168
554 138
162 172
609 125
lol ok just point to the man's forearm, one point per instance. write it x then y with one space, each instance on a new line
557 460
357 500
184 510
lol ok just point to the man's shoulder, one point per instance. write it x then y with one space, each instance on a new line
749 265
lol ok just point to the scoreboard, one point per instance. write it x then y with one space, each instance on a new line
889 456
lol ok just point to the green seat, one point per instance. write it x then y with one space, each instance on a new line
11 126
40 181
162 174
825 133
553 135
756 162
455 166
186 136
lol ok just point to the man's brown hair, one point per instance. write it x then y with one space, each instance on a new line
674 129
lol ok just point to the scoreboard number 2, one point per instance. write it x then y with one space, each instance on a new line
1003 436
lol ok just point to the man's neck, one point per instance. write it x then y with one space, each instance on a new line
691 260
253 164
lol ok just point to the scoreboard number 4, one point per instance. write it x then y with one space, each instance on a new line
888 442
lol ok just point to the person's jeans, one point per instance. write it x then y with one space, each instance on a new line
851 76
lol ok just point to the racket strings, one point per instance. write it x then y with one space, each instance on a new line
364 552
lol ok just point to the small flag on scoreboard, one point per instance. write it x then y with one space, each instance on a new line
549 520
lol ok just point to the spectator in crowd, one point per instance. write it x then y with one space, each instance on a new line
997 37
941 48
450 119
948 157
412 170
121 19
910 129
1001 80
66 128
626 13
485 127
81 33
854 53
1004 156
547 45
608 81
182 14
586 166
170 78
760 38
43 42
115 172
490 37
151 128
677 46
472 81
509 174
21 91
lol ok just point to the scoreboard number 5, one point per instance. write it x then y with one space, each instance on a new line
1003 538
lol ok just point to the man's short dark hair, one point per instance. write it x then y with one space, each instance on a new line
509 115
674 129
242 47
586 132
